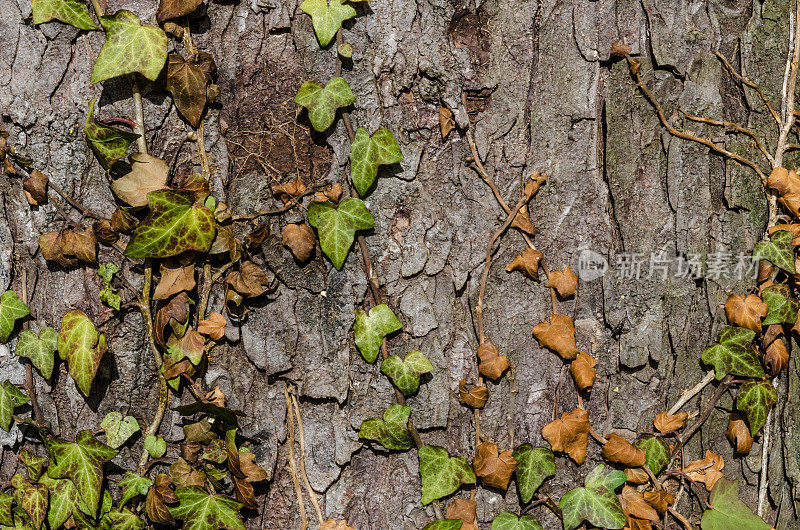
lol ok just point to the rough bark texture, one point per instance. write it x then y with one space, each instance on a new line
544 95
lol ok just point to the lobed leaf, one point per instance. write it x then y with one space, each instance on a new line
327 18
71 12
510 521
781 308
778 250
201 511
442 474
535 465
124 519
728 511
370 329
118 429
405 373
368 152
130 47
391 431
108 143
656 453
755 398
322 101
734 354
11 397
596 502
40 350
133 485
63 500
82 347
337 226
11 310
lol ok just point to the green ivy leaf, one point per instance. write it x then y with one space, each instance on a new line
778 250
130 47
734 354
108 294
345 50
337 226
405 373
755 398
656 453
108 143
119 429
368 152
82 463
34 503
596 502
781 307
327 18
6 516
509 521
444 524
391 431
322 101
34 464
728 511
40 350
175 225
442 474
124 519
63 500
535 465
11 397
70 12
133 485
200 511
155 445
11 310
82 347
370 329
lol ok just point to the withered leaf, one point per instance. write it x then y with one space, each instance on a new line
216 396
738 434
660 500
446 121
745 312
51 250
634 505
187 84
250 280
527 263
333 524
618 449
213 326
257 236
156 510
475 397
174 313
708 470
251 470
463 509
244 493
122 220
569 434
787 184
175 278
564 282
147 174
491 364
300 240
168 9
35 187
776 356
289 191
632 523
665 422
185 476
493 467
558 335
69 246
636 475
522 222
534 183
794 228
582 370
104 233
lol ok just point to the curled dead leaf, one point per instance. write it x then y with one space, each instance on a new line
564 282
708 470
582 370
620 50
234 304
745 312
300 240
159 494
618 449
670 422
123 221
765 269
738 434
175 278
558 335
69 247
475 397
331 192
446 121
216 396
522 222
636 475
174 313
213 326
491 364
527 263
493 467
35 188
257 236
463 509
250 280
787 184
289 191
632 523
569 434
660 500
534 183
104 233
776 356
634 505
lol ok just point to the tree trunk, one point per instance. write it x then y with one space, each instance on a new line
543 93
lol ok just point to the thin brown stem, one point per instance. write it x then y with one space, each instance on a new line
30 386
734 127
311 494
285 208
292 461
689 432
745 81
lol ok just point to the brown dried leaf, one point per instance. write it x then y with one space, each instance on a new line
533 184
244 493
213 326
187 84
632 523
527 263
776 356
175 278
634 505
251 470
176 369
463 509
104 233
620 49
745 312
660 500
332 524
158 494
234 304
173 313
636 475
582 369
123 221
80 244
570 434
35 187
665 422
300 240
147 174
708 470
494 468
564 282
197 184
257 236
446 121
289 191
787 184
475 397
522 222
176 8
491 364
51 250
618 449
184 475
216 396
558 335
249 280
738 434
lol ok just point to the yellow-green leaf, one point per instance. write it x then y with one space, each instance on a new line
118 429
327 17
11 310
201 511
535 465
391 431
755 398
370 329
596 502
108 143
405 373
734 354
130 47
82 347
11 397
322 101
337 226
71 12
369 152
442 474
728 512
40 350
